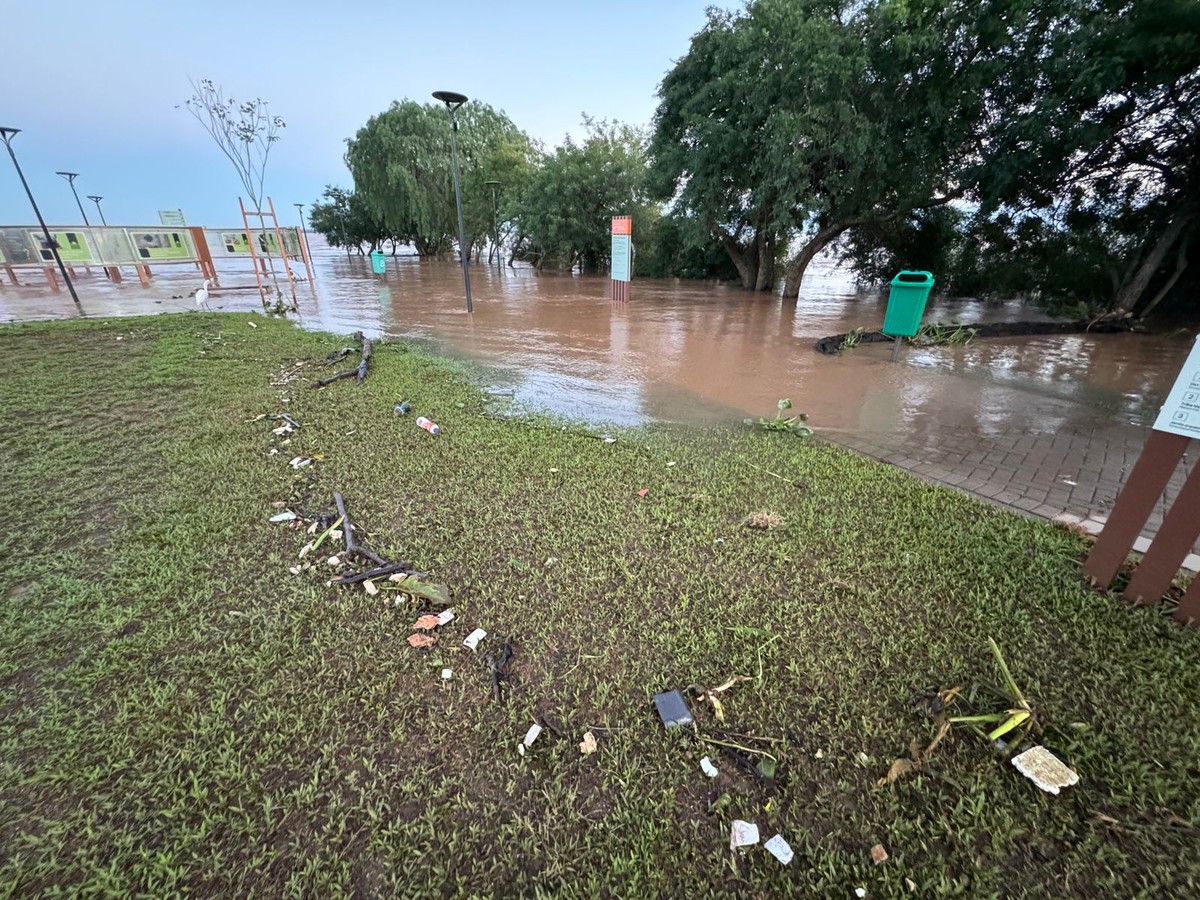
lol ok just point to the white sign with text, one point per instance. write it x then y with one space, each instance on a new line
1181 413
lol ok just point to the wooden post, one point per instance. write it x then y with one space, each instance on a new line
1189 607
1170 547
52 277
1134 504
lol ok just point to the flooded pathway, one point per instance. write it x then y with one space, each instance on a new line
1041 424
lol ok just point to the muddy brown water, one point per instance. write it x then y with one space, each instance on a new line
695 352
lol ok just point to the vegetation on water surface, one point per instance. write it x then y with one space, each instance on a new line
179 712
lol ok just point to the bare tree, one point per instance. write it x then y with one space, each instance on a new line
245 132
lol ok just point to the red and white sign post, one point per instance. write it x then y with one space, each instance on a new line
622 238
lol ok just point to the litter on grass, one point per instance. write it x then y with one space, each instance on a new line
283 517
643 492
445 616
708 768
421 640
473 639
742 834
299 462
878 854
532 735
447 674
426 623
369 587
672 709
1045 769
588 745
780 849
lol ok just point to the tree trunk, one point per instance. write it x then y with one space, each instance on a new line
766 264
1181 263
745 260
818 242
1136 286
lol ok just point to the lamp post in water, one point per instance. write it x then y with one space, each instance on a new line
303 228
71 176
95 199
6 135
453 101
495 225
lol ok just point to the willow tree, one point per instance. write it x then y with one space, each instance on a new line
401 163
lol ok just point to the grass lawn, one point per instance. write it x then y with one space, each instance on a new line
181 714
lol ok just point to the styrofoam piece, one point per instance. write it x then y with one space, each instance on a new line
1045 769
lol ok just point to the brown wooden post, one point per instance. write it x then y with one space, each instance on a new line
143 275
12 273
114 274
1189 607
1170 547
52 277
1134 504
207 268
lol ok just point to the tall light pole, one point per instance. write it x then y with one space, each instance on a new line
6 135
303 228
453 101
71 176
97 200
495 226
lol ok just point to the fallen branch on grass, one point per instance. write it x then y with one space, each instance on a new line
360 372
833 344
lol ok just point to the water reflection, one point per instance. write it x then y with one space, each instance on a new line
699 352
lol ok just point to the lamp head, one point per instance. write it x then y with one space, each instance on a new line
450 98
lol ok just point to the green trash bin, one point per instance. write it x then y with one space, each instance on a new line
906 303
378 263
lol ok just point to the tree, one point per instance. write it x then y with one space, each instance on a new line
344 220
245 132
401 163
564 218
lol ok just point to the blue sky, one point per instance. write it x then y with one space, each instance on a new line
94 86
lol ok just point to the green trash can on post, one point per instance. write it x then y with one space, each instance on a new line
906 305
378 263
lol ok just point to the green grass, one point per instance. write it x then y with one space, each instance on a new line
179 714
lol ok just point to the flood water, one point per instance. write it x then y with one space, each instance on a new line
695 352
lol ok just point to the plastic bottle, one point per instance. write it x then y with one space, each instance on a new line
402 409
428 426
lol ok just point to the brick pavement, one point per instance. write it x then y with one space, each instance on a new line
1067 473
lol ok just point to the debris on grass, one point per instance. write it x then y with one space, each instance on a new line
446 615
911 885
422 640
878 854
588 745
295 570
472 640
710 695
497 669
708 768
1045 769
780 849
742 834
643 492
402 409
369 587
447 674
762 519
426 623
531 735
301 462
282 517
860 893
672 709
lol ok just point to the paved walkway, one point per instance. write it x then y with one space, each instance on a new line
1068 475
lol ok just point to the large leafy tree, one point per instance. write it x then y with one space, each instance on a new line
564 217
789 120
401 163
344 220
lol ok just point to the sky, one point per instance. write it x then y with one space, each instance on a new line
98 88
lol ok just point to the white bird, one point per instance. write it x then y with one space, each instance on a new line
202 294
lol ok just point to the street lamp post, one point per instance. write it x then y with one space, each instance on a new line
71 176
495 225
303 228
97 200
453 101
6 135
